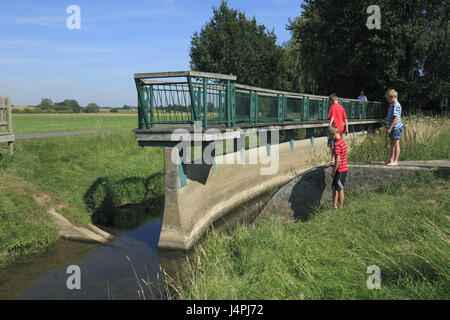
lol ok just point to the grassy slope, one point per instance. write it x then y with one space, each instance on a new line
25 225
401 227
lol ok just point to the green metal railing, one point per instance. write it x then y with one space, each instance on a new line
217 99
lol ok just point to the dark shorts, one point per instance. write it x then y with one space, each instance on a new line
396 133
339 181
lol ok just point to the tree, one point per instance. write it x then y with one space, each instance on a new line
46 103
338 52
92 108
113 110
73 104
231 44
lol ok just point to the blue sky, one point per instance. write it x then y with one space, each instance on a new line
40 57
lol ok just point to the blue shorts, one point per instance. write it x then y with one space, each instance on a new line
396 133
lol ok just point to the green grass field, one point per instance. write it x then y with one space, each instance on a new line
35 123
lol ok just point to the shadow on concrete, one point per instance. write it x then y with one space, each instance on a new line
197 172
307 193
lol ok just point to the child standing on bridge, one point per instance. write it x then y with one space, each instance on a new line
340 168
337 118
395 126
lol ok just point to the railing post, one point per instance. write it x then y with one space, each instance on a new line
205 104
280 108
352 116
252 107
325 109
363 111
228 104
142 107
222 106
256 107
152 112
194 101
9 114
231 104
305 115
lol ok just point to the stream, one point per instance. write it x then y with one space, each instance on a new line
128 268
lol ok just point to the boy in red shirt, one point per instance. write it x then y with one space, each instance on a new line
337 118
340 168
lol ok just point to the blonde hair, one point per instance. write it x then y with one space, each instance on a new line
333 129
391 92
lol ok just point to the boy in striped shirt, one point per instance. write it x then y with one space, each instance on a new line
340 168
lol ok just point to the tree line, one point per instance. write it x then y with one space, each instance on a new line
332 50
69 106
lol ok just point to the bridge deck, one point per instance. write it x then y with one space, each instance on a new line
162 135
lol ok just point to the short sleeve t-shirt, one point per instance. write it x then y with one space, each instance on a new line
338 113
340 149
395 110
362 98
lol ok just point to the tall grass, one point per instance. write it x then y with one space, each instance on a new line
424 138
402 228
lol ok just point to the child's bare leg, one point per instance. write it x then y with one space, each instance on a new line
335 198
397 151
341 199
392 153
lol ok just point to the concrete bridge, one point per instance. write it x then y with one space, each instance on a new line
245 140
196 195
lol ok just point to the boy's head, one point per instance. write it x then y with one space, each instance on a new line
333 132
391 96
361 93
333 98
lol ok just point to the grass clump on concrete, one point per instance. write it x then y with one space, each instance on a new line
402 228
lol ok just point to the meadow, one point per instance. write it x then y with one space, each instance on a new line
36 123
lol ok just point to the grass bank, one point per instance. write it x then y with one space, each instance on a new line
104 178
401 227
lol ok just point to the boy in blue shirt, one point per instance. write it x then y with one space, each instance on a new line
394 126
